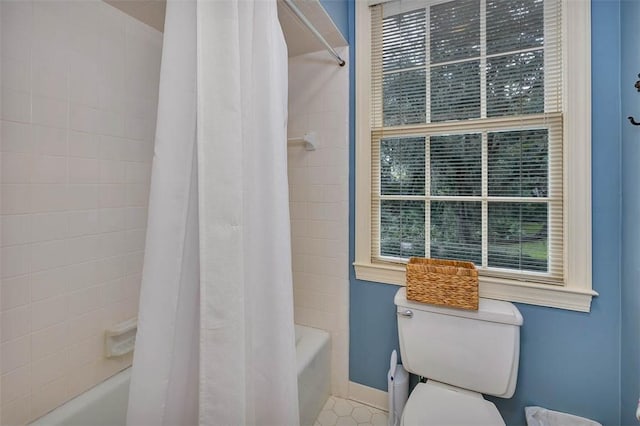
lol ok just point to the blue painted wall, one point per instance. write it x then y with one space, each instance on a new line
630 288
339 12
569 361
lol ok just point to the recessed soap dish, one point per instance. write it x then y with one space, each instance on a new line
121 338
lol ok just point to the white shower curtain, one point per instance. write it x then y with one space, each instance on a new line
216 342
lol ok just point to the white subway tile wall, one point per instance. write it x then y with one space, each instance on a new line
79 84
318 200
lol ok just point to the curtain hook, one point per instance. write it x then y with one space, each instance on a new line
630 118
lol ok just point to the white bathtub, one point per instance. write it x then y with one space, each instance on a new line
106 403
313 349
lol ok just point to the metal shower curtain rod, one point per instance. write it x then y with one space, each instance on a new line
315 32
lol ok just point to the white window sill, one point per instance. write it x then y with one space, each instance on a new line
562 297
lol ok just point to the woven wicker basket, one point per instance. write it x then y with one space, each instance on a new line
443 282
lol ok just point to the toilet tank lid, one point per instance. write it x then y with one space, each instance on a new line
488 309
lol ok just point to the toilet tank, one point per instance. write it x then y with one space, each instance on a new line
474 350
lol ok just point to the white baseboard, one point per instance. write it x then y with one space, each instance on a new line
369 396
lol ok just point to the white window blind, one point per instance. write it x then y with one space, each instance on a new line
466 134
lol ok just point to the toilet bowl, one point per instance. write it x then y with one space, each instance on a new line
463 355
434 403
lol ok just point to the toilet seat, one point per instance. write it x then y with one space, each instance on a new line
434 403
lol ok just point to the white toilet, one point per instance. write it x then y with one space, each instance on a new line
462 354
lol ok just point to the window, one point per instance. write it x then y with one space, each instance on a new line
472 146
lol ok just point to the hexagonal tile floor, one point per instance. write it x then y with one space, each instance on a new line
344 412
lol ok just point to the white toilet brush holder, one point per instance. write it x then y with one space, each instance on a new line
398 384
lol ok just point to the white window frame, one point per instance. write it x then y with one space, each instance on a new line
576 292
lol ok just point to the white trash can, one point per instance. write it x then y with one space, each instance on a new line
538 416
398 385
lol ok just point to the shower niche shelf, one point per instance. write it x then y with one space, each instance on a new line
120 339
